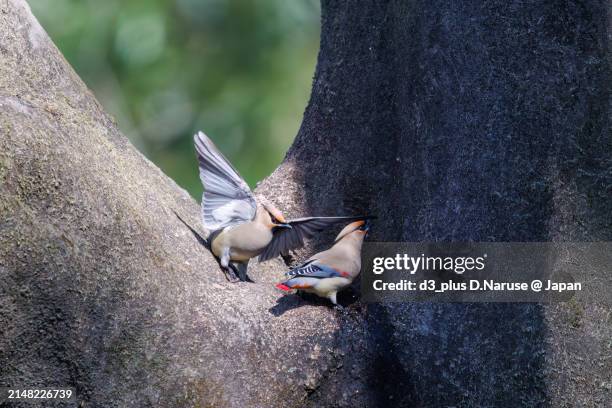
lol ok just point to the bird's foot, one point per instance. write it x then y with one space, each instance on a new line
287 258
241 270
339 307
230 275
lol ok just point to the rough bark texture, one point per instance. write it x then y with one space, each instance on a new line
455 121
102 287
461 121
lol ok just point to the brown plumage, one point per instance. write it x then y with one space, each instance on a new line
330 271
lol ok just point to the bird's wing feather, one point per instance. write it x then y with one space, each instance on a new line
287 239
300 282
227 199
311 270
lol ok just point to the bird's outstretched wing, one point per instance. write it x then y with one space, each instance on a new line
287 239
227 198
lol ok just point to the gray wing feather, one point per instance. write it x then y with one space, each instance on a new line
314 271
285 240
227 198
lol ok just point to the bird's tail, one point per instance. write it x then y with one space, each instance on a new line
282 286
203 241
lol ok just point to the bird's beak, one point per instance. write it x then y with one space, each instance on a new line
281 226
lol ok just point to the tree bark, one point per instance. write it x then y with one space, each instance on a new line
102 287
451 122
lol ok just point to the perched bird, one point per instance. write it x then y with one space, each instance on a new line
330 271
240 226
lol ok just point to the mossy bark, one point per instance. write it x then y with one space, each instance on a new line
102 287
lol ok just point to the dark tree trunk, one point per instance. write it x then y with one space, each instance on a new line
450 121
457 121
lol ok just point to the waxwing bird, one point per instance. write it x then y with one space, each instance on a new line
330 271
240 226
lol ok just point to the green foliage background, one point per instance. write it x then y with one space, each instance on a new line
240 70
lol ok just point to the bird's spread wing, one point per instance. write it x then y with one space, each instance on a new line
287 239
227 199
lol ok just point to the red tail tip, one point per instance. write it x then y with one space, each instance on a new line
282 286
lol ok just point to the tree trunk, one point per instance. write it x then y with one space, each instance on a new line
481 121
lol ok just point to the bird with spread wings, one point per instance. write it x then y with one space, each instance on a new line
240 226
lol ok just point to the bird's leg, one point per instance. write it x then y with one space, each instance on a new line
242 270
233 273
332 297
287 258
230 274
228 268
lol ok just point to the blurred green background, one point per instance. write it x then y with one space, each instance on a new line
240 70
